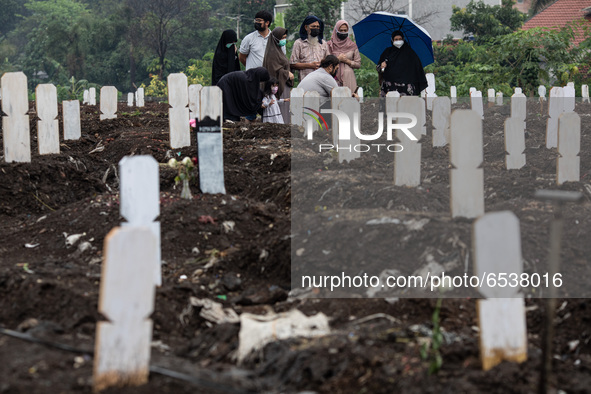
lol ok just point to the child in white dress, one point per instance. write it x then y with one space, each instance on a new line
271 110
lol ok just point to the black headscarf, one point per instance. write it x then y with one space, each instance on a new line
225 59
275 60
311 19
403 65
241 91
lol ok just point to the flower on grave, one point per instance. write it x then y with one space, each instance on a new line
184 168
172 163
193 123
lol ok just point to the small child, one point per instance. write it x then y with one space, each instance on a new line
271 110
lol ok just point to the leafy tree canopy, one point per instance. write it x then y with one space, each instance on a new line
486 22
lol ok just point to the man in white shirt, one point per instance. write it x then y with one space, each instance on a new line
252 48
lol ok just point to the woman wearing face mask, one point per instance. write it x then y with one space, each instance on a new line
401 69
225 59
277 64
346 50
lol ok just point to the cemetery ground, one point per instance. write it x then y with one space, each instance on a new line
49 289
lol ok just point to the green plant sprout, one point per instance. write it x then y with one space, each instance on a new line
430 351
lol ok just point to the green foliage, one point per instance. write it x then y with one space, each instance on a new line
486 22
74 90
199 71
326 10
156 88
430 351
525 58
367 77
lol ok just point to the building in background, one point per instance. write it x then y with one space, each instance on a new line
561 12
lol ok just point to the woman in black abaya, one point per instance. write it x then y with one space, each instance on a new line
401 69
241 91
225 59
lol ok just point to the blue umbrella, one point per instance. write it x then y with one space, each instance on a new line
374 34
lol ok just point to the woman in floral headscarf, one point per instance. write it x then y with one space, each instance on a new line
346 50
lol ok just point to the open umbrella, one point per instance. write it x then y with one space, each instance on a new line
374 34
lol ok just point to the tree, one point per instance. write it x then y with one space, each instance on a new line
539 5
161 22
362 8
486 22
9 16
53 31
326 10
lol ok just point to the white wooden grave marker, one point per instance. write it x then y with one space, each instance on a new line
585 93
347 148
108 102
337 97
360 94
499 98
178 113
555 108
518 106
122 346
542 92
311 103
568 164
130 99
194 98
514 143
48 133
210 143
569 97
491 95
15 125
296 107
341 100
453 93
476 103
139 97
501 317
407 164
472 90
441 113
140 200
92 96
71 110
392 99
430 90
85 95
466 176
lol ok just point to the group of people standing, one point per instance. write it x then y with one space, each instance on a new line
321 66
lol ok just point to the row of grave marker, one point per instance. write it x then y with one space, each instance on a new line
461 128
132 269
89 97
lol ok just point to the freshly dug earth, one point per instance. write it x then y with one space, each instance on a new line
50 291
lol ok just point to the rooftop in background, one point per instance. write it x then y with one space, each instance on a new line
561 12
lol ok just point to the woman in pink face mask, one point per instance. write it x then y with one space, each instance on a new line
346 50
271 110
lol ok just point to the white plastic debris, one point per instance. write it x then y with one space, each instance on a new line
228 226
31 246
71 240
256 331
84 246
415 225
383 220
214 311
